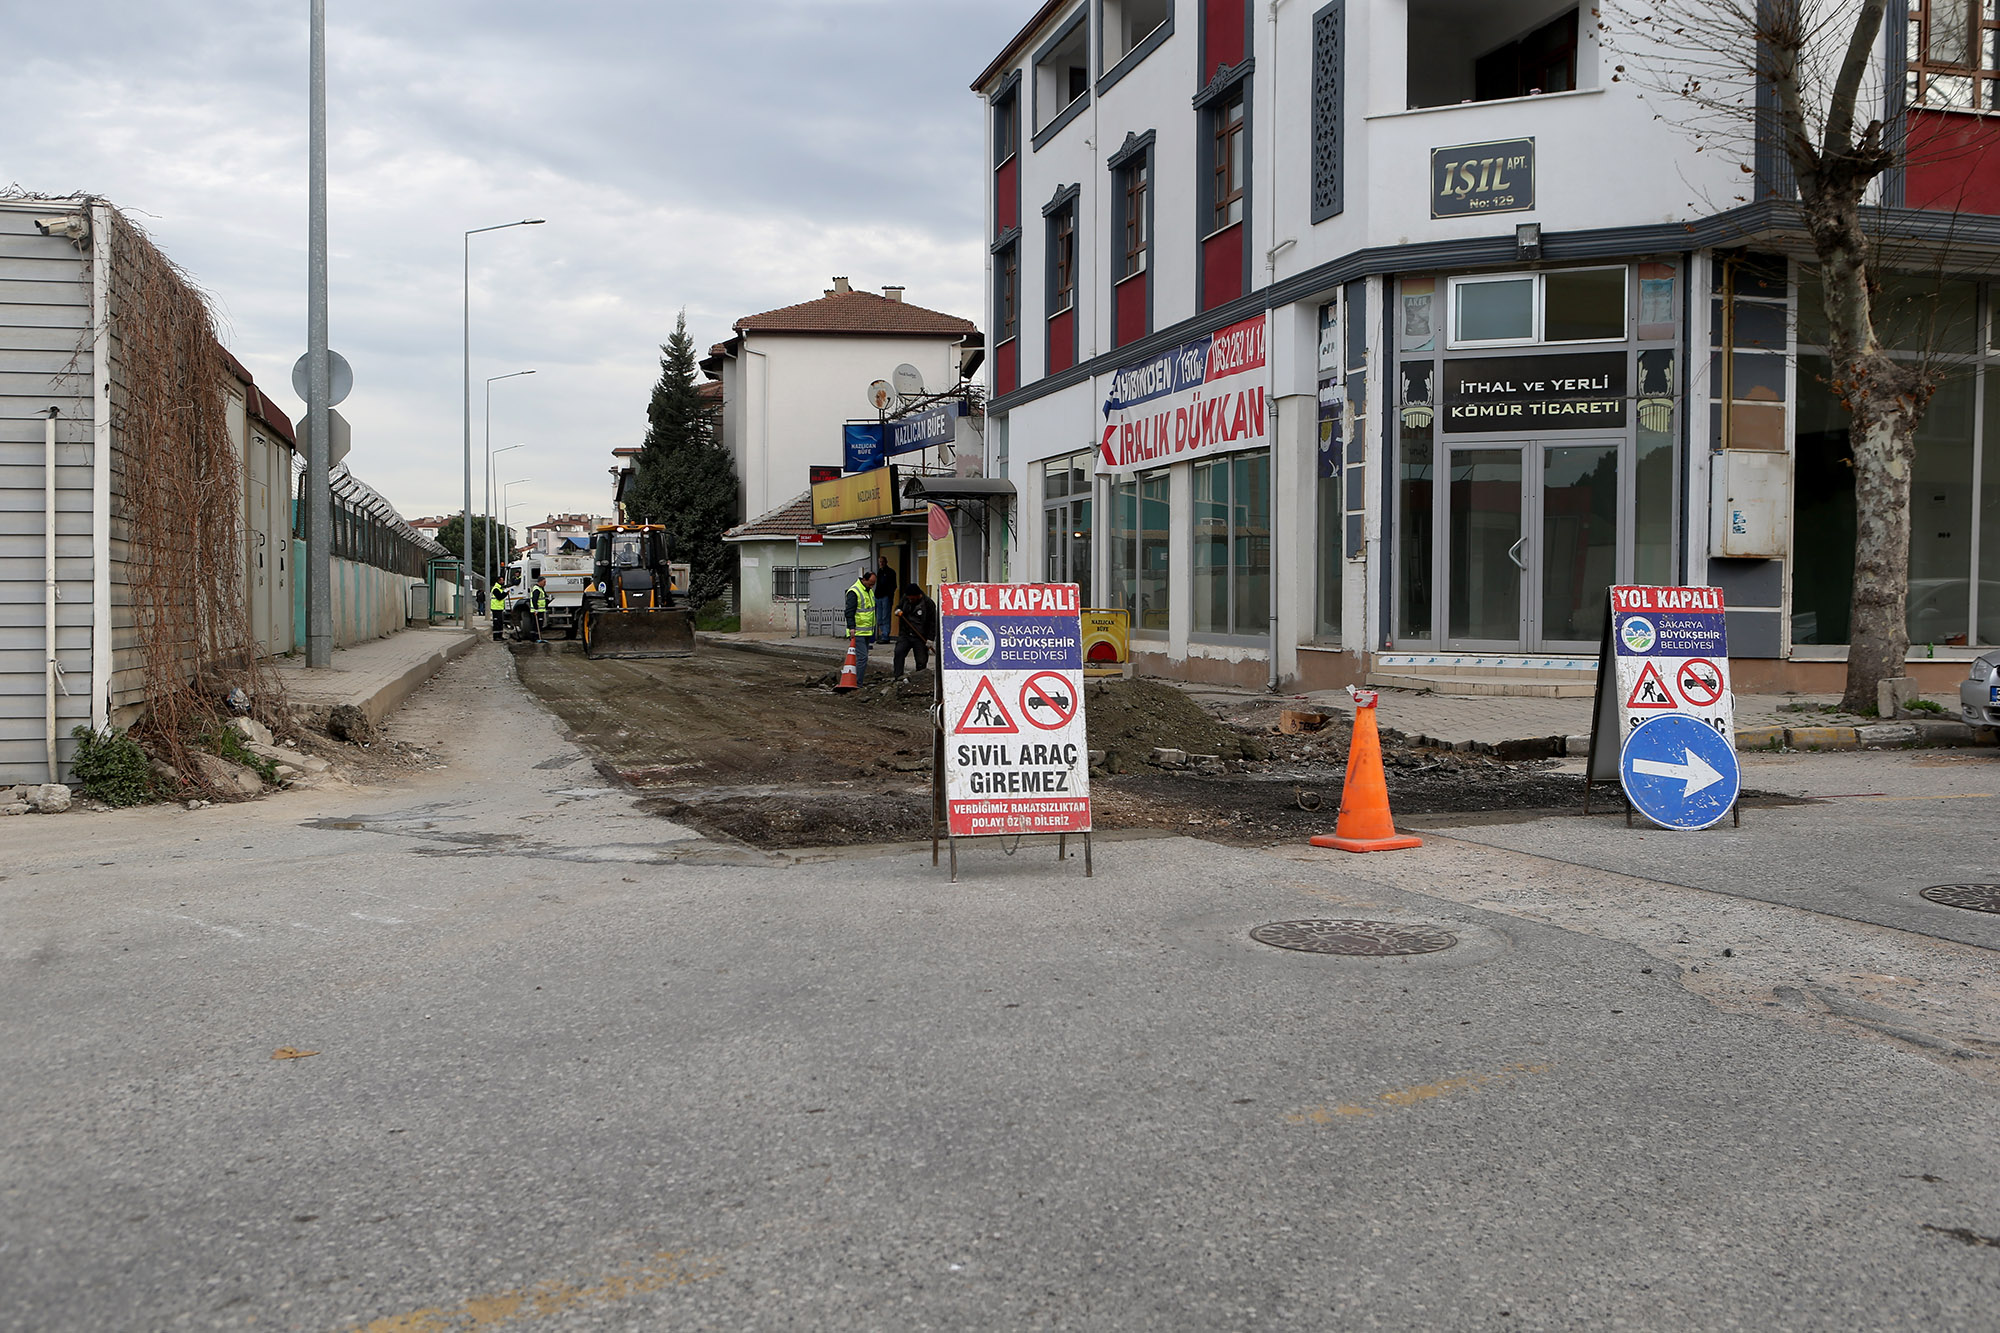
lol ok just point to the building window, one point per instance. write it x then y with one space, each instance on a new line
792 583
1062 258
1226 124
1516 309
1126 25
1232 545
1006 128
1140 528
1328 107
1062 75
1134 178
1460 53
1066 494
1954 48
1008 291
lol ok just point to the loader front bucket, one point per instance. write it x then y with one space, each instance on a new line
615 633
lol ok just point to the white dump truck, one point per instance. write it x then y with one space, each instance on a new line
568 573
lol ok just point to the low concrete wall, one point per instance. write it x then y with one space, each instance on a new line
367 602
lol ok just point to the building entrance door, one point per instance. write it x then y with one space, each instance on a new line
1530 542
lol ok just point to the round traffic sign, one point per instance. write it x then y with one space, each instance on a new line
339 375
1699 681
1048 700
1679 772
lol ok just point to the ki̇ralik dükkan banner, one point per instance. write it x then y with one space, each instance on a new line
1015 756
1204 397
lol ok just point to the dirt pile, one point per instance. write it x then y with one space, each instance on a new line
1129 719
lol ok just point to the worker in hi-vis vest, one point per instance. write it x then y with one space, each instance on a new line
496 608
538 604
860 607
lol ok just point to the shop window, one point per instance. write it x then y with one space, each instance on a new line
792 583
1940 608
1953 56
1006 161
1062 74
1655 479
1485 50
1224 161
1128 25
1141 523
1066 496
1415 522
1232 546
1562 306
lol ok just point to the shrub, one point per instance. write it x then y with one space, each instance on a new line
110 767
1924 706
228 742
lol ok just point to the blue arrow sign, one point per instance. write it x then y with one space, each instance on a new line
1679 773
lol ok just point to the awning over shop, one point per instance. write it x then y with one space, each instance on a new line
942 490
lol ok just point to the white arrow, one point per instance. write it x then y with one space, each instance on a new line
1695 772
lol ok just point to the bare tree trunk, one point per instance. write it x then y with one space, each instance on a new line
1878 639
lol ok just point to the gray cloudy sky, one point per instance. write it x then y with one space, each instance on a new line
723 157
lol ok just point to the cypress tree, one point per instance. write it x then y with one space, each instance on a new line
685 478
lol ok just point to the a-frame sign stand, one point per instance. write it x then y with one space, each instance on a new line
1607 724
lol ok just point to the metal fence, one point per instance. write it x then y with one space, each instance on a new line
366 528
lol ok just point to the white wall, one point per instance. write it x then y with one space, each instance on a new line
786 396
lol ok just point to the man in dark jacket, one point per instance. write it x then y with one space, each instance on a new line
916 627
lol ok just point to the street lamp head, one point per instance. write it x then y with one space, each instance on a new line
533 222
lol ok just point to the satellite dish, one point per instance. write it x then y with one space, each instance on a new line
340 378
909 380
881 396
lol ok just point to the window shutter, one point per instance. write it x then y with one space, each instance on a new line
1329 80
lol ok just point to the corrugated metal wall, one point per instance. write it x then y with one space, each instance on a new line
45 361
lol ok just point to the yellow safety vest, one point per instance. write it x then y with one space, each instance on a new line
498 601
540 600
864 608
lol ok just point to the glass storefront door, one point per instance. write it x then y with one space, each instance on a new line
1530 538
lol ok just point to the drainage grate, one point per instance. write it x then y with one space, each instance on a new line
1364 939
1971 897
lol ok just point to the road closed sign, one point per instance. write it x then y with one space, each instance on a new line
1016 757
1663 673
1670 648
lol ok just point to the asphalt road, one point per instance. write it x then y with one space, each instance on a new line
575 1067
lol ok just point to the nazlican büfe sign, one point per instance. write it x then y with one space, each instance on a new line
1196 399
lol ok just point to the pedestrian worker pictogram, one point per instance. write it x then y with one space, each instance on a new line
1048 700
1700 682
984 714
1649 691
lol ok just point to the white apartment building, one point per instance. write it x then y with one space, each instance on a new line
1347 337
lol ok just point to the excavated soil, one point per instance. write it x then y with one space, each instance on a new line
758 748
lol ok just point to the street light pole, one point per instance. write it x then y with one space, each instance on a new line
319 494
466 518
486 522
491 477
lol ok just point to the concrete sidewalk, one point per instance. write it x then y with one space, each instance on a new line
1763 721
375 676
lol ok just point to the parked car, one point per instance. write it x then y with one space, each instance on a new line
1979 694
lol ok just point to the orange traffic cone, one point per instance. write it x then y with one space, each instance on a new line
850 679
1365 824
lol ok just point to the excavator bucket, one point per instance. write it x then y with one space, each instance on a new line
608 632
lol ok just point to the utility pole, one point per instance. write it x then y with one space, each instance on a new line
319 494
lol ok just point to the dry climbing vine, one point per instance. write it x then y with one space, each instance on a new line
177 495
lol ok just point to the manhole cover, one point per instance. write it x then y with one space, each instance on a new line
1365 939
1972 897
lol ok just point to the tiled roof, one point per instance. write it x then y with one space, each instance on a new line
857 312
787 520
